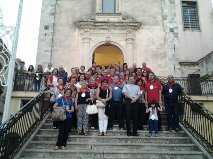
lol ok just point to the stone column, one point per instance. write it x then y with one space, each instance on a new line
117 6
130 51
98 6
85 52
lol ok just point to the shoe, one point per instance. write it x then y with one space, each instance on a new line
86 134
56 148
150 135
54 127
156 135
135 135
100 134
170 129
63 147
176 130
128 134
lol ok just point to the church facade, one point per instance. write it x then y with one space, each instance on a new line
169 35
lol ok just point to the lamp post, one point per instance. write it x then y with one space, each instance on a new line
12 65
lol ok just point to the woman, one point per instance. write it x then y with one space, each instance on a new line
125 66
81 101
80 79
38 78
104 94
58 92
93 86
66 103
29 79
142 107
144 76
127 75
53 79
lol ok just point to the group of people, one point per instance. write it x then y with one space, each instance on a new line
130 96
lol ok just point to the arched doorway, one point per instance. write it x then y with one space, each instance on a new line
107 54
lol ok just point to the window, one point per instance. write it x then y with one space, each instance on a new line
190 15
108 6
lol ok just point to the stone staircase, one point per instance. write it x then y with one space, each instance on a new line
116 145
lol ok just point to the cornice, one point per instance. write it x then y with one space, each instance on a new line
106 22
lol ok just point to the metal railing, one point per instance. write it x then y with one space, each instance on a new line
26 81
198 121
17 130
206 85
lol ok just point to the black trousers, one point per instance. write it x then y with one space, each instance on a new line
172 113
93 120
131 110
64 127
141 115
116 113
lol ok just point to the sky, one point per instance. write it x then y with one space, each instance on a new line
29 28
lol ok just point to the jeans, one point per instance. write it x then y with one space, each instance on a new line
37 85
172 113
153 125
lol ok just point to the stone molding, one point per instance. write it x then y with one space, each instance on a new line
110 29
108 21
205 57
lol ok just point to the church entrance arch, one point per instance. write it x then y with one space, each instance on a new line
108 54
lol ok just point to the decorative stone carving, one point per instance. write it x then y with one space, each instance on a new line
108 21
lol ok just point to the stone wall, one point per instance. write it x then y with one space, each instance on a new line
206 65
158 41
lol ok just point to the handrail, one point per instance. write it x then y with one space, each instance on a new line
198 121
206 85
25 81
16 130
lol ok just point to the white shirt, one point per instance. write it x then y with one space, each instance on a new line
48 70
132 90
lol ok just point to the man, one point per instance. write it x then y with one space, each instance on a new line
132 93
171 91
117 103
106 76
88 75
62 73
145 68
48 69
153 90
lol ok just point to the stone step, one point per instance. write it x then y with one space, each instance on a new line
117 139
115 146
43 153
164 122
50 126
114 133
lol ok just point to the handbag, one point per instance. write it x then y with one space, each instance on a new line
59 114
52 98
99 104
91 109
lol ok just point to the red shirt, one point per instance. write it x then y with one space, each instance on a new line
147 69
152 89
